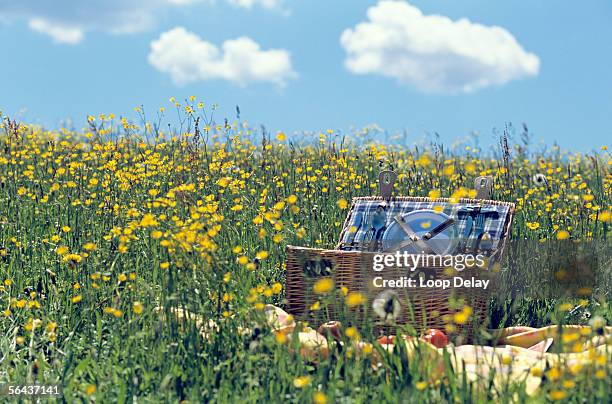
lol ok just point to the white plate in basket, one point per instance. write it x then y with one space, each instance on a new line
422 222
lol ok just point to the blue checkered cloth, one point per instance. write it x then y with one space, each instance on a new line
494 224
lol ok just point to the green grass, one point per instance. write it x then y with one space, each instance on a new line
211 185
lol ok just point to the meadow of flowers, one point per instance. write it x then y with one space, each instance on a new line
107 231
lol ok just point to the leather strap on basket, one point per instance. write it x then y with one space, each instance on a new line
386 180
483 186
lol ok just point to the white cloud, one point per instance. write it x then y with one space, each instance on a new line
184 2
269 4
432 52
67 21
251 3
187 58
59 33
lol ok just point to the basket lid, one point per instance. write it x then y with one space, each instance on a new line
370 218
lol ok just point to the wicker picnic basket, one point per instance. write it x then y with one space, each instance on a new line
352 270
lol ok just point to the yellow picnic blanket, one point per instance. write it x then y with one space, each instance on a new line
521 354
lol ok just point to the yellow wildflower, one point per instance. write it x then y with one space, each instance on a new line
323 286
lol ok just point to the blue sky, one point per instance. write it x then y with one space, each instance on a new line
284 63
